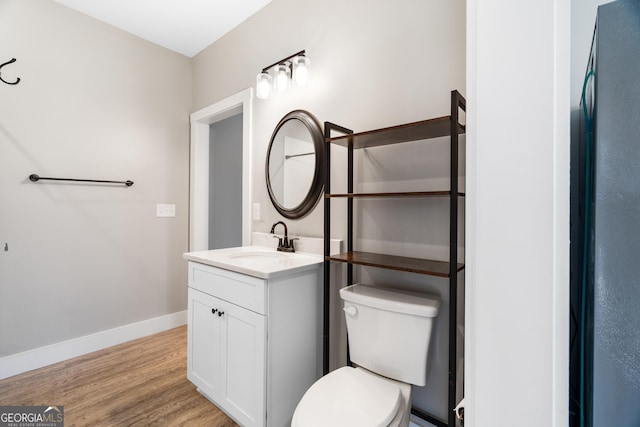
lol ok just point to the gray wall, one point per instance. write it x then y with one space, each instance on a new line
225 183
93 102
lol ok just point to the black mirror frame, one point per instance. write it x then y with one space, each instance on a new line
317 184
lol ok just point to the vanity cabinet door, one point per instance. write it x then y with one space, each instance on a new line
243 362
203 356
226 356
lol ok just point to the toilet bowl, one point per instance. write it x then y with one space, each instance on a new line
354 397
389 335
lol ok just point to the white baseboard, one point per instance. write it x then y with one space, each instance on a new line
37 358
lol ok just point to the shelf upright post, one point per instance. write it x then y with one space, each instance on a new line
457 102
328 127
327 251
350 209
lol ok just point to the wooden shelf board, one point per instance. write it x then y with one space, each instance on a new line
426 129
397 194
392 262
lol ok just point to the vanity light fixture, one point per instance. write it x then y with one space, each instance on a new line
279 75
301 69
283 75
263 85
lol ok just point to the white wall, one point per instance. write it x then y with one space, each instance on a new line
373 64
93 102
518 82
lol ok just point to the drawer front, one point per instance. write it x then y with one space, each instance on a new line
244 291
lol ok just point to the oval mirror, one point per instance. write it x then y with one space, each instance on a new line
294 161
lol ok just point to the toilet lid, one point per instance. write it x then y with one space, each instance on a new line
349 397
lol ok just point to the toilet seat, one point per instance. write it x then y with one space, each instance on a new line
350 397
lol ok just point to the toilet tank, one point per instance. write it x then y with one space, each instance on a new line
390 330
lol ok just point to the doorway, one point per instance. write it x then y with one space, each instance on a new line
225 183
199 186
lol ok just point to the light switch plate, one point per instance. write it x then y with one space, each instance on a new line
165 210
256 212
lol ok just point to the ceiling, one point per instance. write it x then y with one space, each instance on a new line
184 26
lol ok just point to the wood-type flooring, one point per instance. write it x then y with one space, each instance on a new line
138 383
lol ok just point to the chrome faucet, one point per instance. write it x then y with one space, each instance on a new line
284 243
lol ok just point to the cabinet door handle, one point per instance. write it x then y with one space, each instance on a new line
220 313
213 310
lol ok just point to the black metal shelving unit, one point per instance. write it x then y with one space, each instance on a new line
417 131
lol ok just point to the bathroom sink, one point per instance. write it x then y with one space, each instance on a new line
256 261
260 255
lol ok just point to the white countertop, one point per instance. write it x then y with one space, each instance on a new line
256 261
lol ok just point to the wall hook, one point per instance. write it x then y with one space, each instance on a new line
3 80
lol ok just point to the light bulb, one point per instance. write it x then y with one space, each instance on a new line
283 74
301 70
263 85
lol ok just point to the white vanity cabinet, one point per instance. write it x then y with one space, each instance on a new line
254 344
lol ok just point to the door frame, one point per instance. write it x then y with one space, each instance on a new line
241 102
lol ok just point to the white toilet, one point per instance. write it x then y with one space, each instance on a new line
389 335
